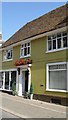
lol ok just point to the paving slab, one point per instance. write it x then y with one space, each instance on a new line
26 108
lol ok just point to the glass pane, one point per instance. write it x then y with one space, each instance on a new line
49 37
59 35
53 36
54 44
49 45
52 67
13 78
28 44
59 43
64 34
25 51
22 52
1 79
9 54
28 50
7 80
60 66
22 46
25 45
57 80
65 42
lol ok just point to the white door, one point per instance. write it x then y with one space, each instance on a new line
23 81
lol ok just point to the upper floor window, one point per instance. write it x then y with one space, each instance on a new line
8 54
25 50
57 41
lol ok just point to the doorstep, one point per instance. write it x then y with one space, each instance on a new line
6 91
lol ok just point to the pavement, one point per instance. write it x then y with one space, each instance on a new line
26 108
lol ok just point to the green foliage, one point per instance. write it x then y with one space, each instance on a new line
13 88
31 89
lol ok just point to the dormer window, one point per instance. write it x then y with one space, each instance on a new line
25 50
57 41
8 54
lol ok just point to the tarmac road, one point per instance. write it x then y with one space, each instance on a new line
8 115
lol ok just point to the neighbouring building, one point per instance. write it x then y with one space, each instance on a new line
38 54
0 38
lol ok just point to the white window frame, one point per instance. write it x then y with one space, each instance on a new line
9 70
28 55
5 56
62 48
47 76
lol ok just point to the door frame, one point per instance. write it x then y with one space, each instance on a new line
29 78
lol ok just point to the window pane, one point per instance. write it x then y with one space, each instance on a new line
60 66
13 78
65 42
64 34
49 45
28 50
54 44
8 55
57 80
49 37
59 35
6 80
25 51
22 46
53 36
25 45
28 44
59 43
22 52
1 79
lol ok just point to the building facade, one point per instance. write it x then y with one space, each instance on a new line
37 54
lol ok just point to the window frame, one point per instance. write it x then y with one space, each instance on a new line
57 49
28 55
5 58
10 71
47 75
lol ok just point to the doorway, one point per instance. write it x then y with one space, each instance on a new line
24 81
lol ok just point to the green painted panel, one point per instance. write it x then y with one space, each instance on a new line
40 58
38 77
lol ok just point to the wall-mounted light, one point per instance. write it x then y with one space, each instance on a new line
18 71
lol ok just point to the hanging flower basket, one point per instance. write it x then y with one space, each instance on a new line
28 61
23 62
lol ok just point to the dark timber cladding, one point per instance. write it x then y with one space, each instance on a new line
53 20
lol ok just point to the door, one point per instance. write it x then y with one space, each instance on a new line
23 82
26 81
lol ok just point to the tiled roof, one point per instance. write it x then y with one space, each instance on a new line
50 21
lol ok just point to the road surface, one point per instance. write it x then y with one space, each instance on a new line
8 115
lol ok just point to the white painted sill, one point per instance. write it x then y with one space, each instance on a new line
7 60
56 50
25 56
53 90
